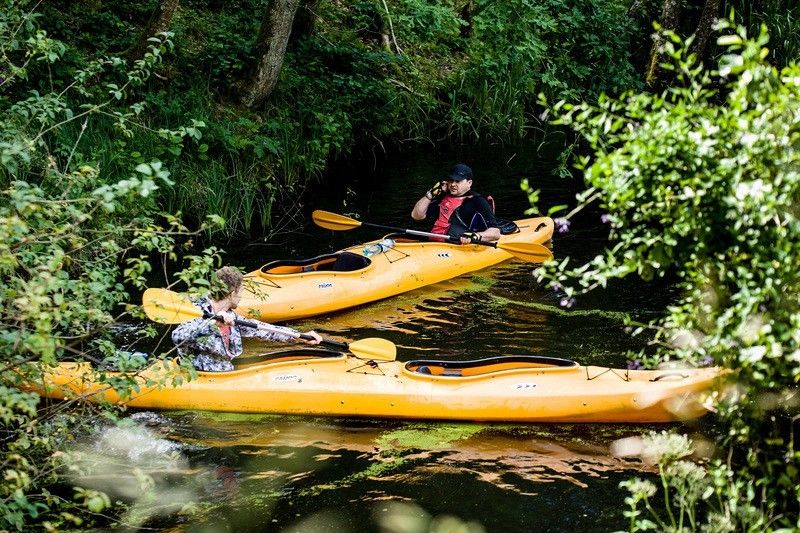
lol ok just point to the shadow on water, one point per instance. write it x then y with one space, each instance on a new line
290 474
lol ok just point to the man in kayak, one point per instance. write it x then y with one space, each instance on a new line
458 212
213 344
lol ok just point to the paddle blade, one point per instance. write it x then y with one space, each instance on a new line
328 220
168 307
527 251
374 348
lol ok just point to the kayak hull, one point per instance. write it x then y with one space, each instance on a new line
322 383
288 290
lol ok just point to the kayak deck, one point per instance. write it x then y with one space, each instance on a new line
499 389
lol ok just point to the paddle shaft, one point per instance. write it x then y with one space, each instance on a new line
426 234
261 325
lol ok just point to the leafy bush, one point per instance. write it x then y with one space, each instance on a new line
74 242
704 181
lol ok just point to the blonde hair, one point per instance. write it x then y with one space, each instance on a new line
228 280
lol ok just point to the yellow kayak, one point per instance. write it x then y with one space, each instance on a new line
291 289
326 383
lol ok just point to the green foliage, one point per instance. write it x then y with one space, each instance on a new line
371 74
73 241
781 18
704 182
567 49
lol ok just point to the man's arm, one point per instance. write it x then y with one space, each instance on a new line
420 210
488 235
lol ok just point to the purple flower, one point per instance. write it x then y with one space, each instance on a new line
636 364
707 361
562 225
567 302
605 218
556 287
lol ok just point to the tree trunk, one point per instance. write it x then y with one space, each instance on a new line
273 36
705 27
670 16
304 20
467 12
159 22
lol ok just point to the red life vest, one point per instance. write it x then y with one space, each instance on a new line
447 207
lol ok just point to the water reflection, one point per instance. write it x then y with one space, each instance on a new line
297 471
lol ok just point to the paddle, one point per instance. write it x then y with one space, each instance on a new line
535 253
168 307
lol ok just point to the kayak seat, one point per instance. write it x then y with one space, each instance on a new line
346 262
441 372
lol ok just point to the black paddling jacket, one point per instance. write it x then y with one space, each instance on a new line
474 214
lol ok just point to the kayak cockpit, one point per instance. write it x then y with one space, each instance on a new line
291 355
338 262
490 365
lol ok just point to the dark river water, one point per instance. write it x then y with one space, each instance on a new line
274 473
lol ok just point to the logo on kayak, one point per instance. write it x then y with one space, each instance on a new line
443 254
525 385
284 378
326 285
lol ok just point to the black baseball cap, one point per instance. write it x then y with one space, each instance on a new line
460 172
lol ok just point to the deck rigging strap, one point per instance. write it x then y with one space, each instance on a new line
614 371
403 255
371 363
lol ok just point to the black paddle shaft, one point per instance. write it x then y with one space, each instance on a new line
254 324
452 240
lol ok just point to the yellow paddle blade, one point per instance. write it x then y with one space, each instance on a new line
527 251
168 307
374 348
328 220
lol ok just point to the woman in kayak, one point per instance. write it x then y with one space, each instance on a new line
214 344
458 212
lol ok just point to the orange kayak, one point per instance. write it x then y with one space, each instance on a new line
326 383
291 289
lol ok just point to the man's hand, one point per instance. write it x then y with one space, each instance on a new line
471 237
436 191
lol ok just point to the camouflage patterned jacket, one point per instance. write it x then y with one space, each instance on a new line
202 339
